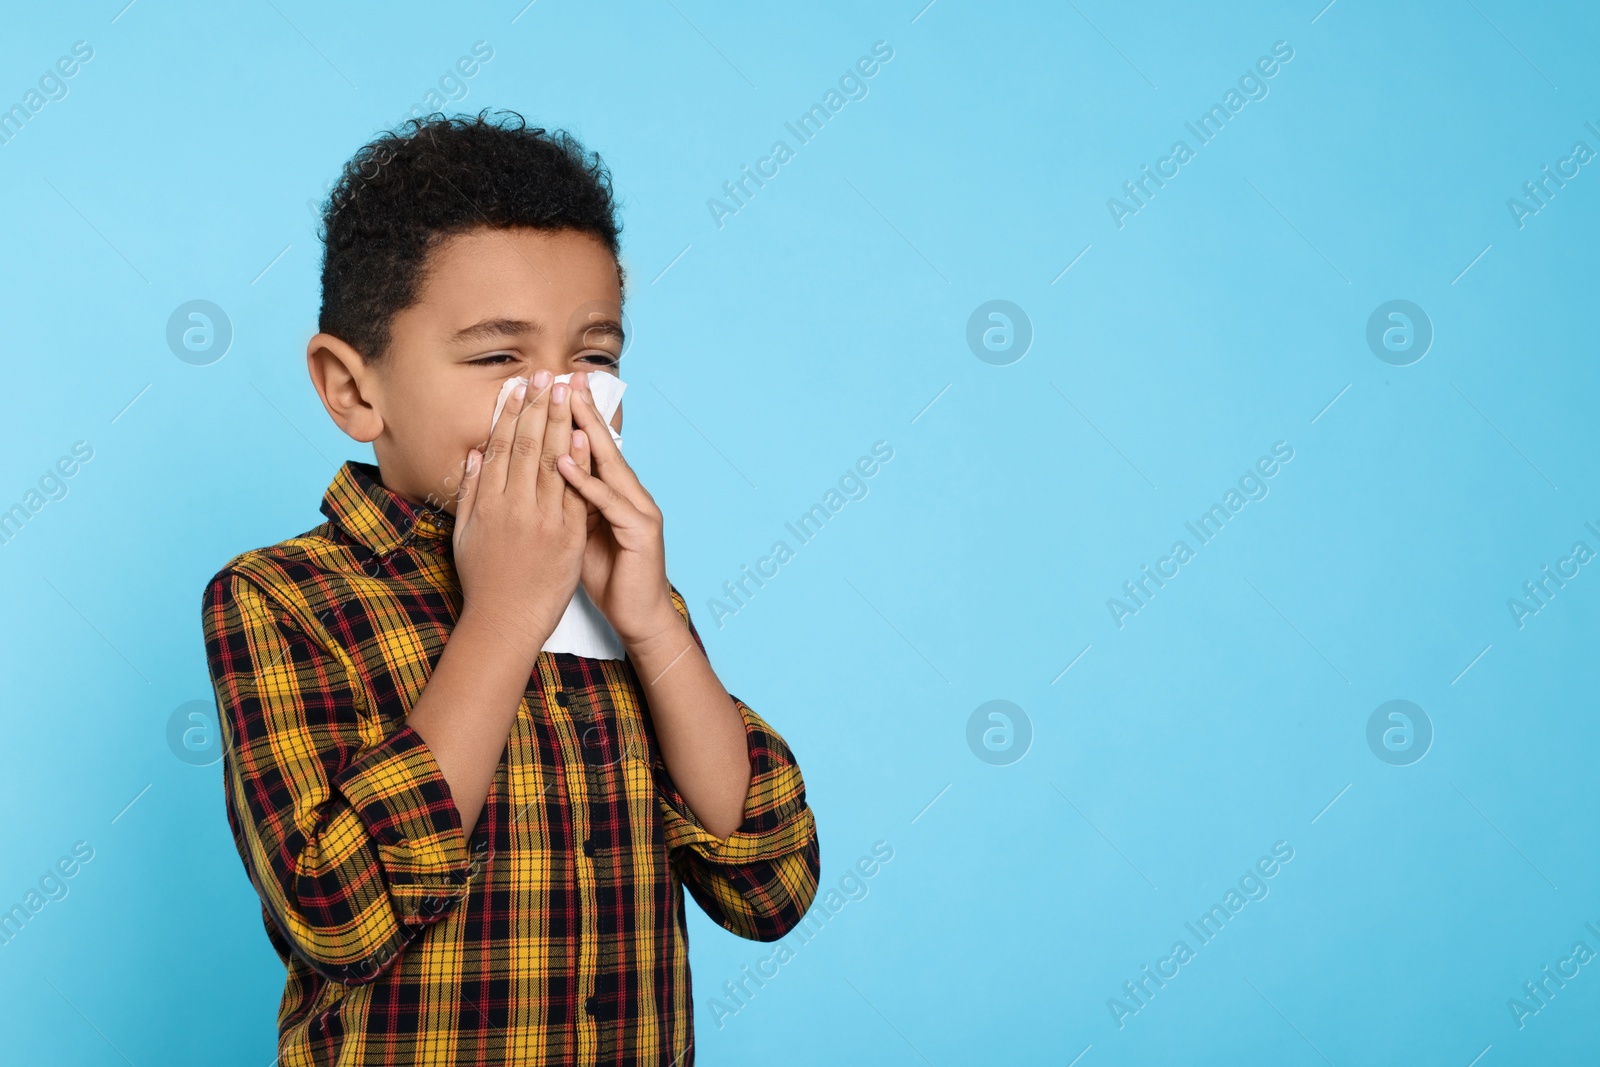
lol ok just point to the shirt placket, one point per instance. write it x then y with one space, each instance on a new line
581 728
527 782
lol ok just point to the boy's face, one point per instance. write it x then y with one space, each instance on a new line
494 303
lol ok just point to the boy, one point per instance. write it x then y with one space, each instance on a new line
470 849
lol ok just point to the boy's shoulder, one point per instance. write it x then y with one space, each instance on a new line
288 571
355 508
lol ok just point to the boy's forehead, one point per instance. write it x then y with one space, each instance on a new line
489 281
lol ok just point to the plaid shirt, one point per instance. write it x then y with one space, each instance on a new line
557 933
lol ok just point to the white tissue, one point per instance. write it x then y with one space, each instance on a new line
607 390
583 629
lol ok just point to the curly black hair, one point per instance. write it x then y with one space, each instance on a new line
434 177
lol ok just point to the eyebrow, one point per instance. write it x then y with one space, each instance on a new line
494 329
607 327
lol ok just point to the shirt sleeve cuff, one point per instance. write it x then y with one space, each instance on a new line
777 820
400 794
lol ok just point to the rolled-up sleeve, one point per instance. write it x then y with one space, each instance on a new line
758 881
349 834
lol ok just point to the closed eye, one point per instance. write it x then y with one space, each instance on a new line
599 359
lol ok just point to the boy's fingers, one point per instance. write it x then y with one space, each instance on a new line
580 450
469 487
617 509
578 507
557 441
608 462
498 450
528 442
588 394
585 461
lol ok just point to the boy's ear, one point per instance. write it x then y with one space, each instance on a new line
347 386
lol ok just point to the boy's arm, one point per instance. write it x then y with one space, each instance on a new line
354 842
758 881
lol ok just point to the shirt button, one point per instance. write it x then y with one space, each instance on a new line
563 698
588 847
589 1005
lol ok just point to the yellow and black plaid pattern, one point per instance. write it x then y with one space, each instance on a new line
557 933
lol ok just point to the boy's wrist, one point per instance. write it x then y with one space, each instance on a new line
667 634
500 639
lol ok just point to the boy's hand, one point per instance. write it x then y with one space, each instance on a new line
520 530
624 560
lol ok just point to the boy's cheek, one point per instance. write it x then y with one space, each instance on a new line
447 460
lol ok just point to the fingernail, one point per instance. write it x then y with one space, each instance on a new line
519 390
578 439
541 379
559 393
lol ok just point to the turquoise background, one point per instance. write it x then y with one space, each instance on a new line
831 312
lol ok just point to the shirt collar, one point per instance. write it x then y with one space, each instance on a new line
374 516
